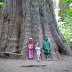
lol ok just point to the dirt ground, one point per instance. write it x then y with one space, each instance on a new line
16 65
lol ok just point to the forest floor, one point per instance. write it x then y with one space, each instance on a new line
17 65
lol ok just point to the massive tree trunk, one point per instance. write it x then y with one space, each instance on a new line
37 33
26 28
12 35
23 20
22 35
47 31
37 29
4 28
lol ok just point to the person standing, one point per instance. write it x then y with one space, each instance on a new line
46 48
30 46
38 50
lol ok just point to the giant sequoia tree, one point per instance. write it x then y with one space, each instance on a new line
30 18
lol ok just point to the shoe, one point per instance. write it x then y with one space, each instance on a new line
38 60
49 59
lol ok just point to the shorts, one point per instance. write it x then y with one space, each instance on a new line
38 53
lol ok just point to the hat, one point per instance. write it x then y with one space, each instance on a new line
30 38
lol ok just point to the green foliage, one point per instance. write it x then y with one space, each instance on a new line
1 0
66 26
66 2
2 5
69 12
66 30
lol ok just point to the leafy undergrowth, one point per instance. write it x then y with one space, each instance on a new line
65 25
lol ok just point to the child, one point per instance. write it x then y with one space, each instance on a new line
47 49
38 50
30 46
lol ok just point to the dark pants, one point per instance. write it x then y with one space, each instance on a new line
48 55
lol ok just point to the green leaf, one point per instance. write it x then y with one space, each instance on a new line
69 12
2 5
66 2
